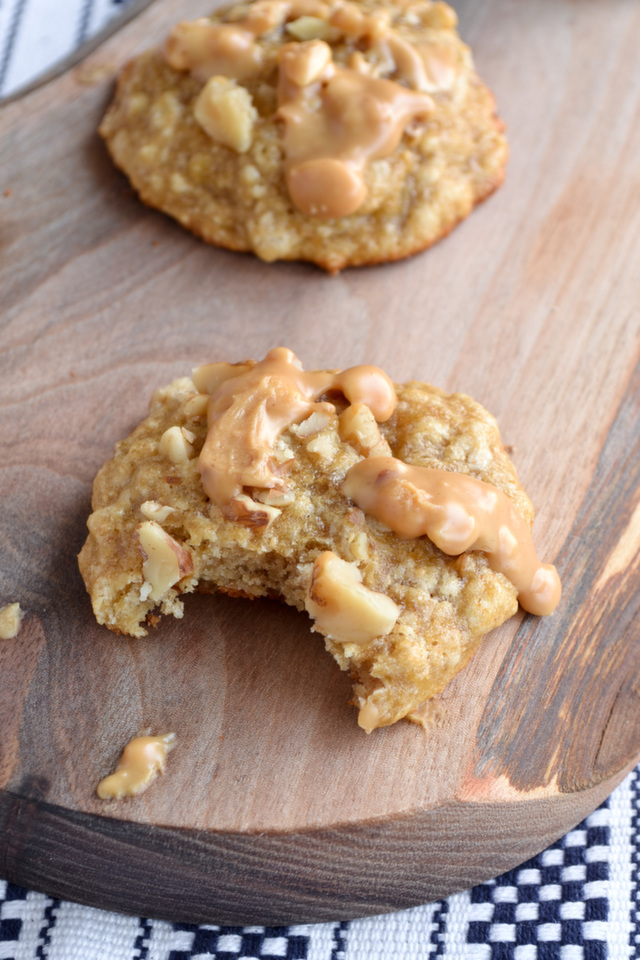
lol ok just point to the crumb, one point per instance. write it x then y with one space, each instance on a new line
10 618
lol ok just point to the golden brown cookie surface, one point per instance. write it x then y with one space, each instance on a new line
400 614
336 132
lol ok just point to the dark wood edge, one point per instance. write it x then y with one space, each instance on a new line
196 876
130 12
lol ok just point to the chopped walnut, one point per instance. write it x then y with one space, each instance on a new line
249 513
309 28
153 510
275 498
342 607
175 445
358 427
226 113
318 420
165 560
304 63
359 546
10 618
323 445
195 406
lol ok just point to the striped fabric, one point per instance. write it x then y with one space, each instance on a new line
579 900
35 34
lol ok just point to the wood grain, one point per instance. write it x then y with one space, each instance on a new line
276 807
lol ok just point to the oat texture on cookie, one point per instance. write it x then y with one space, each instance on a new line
391 514
333 131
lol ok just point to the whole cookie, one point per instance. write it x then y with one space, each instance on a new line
391 514
338 132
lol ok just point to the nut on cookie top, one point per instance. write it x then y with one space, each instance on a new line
329 130
390 513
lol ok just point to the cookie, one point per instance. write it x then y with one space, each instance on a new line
338 132
390 513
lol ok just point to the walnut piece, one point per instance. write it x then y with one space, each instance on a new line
174 444
275 498
318 420
165 560
10 617
309 28
249 513
342 607
225 111
303 63
195 406
358 427
153 510
323 445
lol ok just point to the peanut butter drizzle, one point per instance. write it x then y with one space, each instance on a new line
251 404
141 762
423 66
336 124
457 513
407 60
207 49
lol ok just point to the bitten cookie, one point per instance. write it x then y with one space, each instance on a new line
338 132
391 514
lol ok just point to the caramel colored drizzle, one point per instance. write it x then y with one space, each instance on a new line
336 124
424 66
207 49
141 762
251 404
457 513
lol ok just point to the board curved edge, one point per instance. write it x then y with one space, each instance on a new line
319 875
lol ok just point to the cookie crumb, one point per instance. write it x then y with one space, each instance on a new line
10 618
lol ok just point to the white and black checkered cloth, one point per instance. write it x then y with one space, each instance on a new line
578 900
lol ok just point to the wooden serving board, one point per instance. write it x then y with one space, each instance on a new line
276 807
